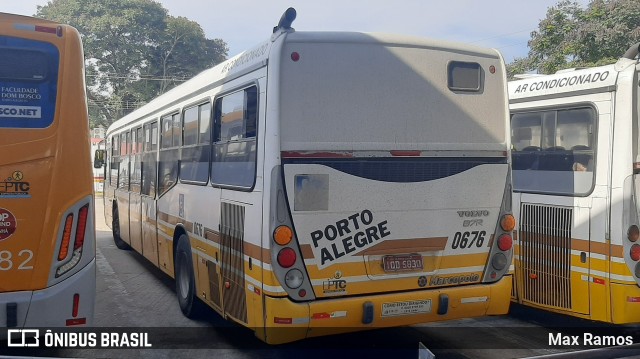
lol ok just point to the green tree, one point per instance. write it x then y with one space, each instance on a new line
571 36
182 50
134 51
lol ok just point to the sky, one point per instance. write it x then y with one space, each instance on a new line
505 25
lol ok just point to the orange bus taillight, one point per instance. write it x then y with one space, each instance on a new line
81 228
508 223
66 238
283 235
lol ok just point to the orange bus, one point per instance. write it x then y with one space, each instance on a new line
47 231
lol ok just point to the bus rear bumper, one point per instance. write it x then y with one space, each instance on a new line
288 321
52 306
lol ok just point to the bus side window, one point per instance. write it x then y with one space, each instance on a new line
194 164
169 150
149 162
235 124
123 178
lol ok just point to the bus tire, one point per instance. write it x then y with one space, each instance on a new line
115 227
185 279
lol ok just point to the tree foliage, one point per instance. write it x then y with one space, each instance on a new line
134 51
571 36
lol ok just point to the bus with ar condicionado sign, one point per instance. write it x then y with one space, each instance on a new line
576 162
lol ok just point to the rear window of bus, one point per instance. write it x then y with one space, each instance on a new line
28 83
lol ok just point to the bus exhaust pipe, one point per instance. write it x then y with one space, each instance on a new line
286 20
633 51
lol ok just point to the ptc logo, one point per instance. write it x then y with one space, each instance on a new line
17 176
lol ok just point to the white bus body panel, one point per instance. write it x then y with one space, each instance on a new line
390 91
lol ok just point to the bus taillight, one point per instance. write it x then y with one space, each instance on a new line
286 257
633 233
46 29
288 261
508 223
501 252
75 310
66 238
498 262
76 305
634 252
505 242
283 235
294 279
81 228
39 28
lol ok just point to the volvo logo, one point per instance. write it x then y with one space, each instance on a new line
478 213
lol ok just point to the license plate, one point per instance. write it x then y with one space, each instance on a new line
394 309
402 263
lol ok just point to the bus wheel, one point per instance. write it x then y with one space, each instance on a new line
115 227
185 281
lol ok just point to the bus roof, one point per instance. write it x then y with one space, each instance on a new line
563 83
257 57
389 40
4 16
207 79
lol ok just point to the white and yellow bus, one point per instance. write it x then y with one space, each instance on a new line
47 232
324 182
575 175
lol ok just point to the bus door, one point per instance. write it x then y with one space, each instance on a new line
561 203
122 193
148 191
112 163
234 165
135 198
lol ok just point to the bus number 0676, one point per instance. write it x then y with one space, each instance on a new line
468 239
23 260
